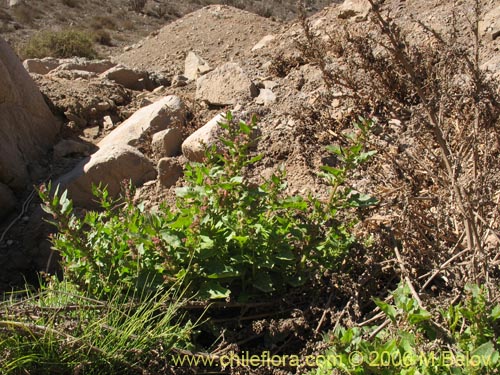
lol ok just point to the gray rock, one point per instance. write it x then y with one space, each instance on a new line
167 142
68 147
129 78
169 171
109 166
225 85
27 127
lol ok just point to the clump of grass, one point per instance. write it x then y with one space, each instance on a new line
62 330
62 44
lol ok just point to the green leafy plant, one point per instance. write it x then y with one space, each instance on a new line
464 341
228 236
118 245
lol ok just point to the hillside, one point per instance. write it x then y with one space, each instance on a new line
321 192
122 21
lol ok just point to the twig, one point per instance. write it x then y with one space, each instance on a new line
404 273
323 316
24 209
443 266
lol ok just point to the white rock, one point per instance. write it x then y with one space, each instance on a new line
129 78
264 42
225 85
107 123
195 66
266 97
41 66
14 3
357 9
168 112
193 148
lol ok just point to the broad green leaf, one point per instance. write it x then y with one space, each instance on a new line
213 290
255 159
334 149
263 282
495 313
420 316
484 351
387 308
333 171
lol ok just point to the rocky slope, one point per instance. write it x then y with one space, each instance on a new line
184 75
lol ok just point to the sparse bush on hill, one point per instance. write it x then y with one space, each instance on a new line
62 44
442 113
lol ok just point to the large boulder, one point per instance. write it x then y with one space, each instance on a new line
27 127
228 84
110 166
168 112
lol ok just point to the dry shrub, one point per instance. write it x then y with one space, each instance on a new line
62 44
71 3
102 37
103 22
437 175
24 14
137 5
